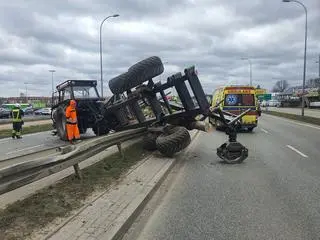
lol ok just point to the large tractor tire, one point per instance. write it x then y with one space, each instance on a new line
173 140
60 123
149 142
144 70
101 128
83 130
137 74
117 84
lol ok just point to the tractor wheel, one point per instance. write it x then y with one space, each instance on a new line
144 70
149 142
101 128
136 75
173 141
117 84
83 130
250 129
60 123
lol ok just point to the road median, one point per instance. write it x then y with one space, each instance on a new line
306 119
112 192
26 119
4 133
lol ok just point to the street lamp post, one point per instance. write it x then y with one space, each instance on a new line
305 50
319 64
52 85
250 63
26 91
101 77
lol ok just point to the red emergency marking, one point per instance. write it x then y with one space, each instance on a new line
241 91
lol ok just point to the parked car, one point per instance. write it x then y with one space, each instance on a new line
43 111
264 103
28 110
5 113
274 103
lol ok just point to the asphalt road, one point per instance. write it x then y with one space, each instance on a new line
28 144
274 194
31 143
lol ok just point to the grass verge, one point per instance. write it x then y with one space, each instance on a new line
26 119
25 130
21 218
305 119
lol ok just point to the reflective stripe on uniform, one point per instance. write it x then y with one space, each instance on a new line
16 115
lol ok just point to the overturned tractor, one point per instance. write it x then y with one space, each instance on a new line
134 91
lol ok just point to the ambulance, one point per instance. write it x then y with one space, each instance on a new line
235 100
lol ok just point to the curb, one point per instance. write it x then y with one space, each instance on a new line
133 216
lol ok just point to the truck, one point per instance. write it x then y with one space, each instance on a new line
134 90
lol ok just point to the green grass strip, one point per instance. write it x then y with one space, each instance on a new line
25 130
21 218
306 119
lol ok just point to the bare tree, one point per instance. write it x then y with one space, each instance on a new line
280 86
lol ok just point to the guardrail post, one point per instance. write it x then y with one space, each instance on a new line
120 149
77 171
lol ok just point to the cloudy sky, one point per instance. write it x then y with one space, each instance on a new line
214 35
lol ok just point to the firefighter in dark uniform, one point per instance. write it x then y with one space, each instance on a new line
17 121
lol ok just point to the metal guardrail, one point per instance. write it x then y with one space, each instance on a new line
21 174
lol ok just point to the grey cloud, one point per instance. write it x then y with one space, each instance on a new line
36 36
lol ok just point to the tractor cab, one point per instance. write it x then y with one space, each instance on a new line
77 89
89 106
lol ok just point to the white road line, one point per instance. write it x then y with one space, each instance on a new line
294 122
263 130
28 148
297 151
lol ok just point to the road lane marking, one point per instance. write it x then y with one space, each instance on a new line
294 122
297 151
28 148
263 130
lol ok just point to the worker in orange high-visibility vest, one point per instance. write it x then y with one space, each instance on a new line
72 122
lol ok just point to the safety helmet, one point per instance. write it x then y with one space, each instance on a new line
17 105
